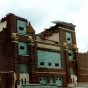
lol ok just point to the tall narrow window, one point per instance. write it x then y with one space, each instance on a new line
68 37
56 64
71 56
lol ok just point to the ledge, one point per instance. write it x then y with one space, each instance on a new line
49 67
83 68
21 34
47 43
24 55
71 60
52 72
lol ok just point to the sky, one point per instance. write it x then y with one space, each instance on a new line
40 13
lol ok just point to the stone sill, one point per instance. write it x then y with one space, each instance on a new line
24 55
21 34
48 67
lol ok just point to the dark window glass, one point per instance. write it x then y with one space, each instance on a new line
44 79
22 47
21 28
59 79
68 38
42 63
40 79
69 54
56 64
49 64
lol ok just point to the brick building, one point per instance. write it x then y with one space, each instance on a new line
50 57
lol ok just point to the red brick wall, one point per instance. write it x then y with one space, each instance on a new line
83 67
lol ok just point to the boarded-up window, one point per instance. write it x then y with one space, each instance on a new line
68 37
21 27
22 48
49 59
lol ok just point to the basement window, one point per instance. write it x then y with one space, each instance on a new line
56 64
42 63
49 64
21 28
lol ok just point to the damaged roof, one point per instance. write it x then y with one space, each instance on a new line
64 23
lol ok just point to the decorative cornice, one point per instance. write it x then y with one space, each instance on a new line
14 37
65 45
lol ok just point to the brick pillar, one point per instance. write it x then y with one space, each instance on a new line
77 64
69 81
16 61
32 64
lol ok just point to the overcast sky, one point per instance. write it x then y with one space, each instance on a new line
41 12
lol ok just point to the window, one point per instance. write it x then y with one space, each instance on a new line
21 27
49 64
56 64
51 80
68 37
71 56
42 63
22 48
49 59
40 79
43 80
59 81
